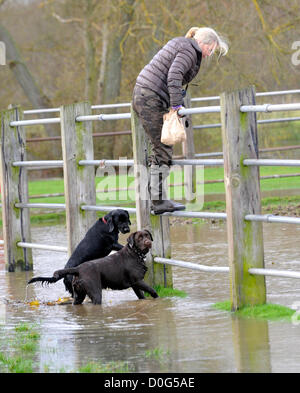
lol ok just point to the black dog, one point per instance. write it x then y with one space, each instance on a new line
121 270
99 241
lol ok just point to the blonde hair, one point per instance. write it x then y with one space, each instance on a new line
208 35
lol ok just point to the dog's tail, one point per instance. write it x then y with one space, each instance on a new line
57 275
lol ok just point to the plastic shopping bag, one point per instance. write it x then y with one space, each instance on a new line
173 130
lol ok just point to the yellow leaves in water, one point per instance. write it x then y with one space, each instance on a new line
59 301
36 303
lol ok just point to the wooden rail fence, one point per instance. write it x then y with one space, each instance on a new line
241 176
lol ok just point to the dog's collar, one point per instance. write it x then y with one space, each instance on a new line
138 252
103 219
141 257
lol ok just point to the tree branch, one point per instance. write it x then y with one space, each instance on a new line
266 30
62 20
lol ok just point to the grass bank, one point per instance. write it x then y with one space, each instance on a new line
168 292
272 312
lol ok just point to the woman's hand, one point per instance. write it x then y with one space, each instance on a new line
176 109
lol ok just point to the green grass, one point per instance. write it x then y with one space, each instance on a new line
110 367
19 348
16 364
127 198
158 354
279 201
22 346
168 292
18 352
45 218
266 184
273 312
111 182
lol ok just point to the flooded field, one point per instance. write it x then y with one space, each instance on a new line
166 334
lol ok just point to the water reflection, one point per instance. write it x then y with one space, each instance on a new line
188 333
251 345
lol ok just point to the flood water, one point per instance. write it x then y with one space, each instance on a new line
190 334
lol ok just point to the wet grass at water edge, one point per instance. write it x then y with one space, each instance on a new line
168 292
272 312
16 354
19 349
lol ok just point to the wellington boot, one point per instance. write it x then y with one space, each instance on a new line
158 191
166 206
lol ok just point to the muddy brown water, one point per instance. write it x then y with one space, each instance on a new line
188 333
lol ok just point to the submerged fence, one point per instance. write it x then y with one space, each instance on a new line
241 177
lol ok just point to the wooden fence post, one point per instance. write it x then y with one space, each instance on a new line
14 189
157 274
79 181
245 238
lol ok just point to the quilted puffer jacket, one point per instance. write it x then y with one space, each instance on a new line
175 65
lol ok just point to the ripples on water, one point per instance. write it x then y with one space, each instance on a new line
193 336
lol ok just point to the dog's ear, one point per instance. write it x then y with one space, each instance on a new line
129 222
110 222
146 230
130 239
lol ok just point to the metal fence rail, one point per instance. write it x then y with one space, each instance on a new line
121 163
202 215
99 208
264 150
59 206
182 112
103 163
225 269
275 273
208 162
272 218
105 117
32 164
264 121
270 162
128 104
51 120
42 247
270 107
261 94
193 266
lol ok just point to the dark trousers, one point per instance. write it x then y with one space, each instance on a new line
150 109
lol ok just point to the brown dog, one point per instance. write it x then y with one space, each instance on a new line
99 241
124 269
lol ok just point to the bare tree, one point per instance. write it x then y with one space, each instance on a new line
21 72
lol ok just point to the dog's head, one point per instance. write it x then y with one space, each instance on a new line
141 240
118 221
